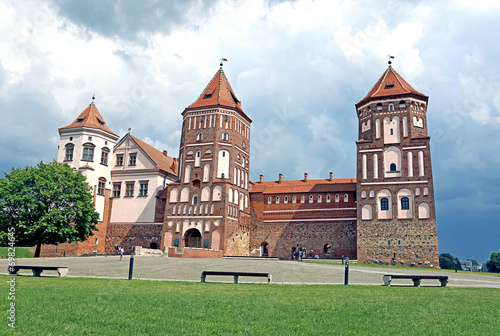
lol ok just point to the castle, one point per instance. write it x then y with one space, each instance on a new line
204 205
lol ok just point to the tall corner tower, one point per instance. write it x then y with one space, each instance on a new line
396 214
87 145
209 205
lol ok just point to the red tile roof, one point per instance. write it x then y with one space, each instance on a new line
164 162
90 117
218 93
390 84
299 186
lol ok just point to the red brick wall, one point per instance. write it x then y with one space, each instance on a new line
130 235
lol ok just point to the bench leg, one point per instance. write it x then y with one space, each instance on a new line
13 271
235 279
416 282
62 271
203 278
387 280
37 273
444 282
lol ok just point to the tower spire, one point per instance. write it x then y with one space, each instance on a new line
390 62
222 59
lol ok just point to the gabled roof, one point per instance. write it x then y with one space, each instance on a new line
160 160
90 117
390 84
218 93
299 186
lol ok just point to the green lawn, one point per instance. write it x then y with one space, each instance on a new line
84 306
21 252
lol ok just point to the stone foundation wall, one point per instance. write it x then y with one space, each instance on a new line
412 243
313 237
130 235
186 252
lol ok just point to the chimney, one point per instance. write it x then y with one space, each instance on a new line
331 176
261 178
165 152
280 178
305 177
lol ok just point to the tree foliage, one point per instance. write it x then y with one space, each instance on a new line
494 263
46 204
447 261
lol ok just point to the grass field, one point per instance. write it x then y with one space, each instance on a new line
84 306
21 252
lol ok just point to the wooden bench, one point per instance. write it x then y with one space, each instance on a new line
236 275
415 278
37 270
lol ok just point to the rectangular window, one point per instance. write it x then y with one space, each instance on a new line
100 188
130 189
133 159
143 189
119 160
104 158
88 154
117 188
69 153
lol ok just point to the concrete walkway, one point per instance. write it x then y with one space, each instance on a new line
283 271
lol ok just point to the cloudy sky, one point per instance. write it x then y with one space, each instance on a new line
297 66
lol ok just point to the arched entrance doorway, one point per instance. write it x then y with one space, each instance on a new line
264 249
192 238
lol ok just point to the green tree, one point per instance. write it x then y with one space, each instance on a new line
447 261
494 263
46 204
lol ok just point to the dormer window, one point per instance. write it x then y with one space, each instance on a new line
80 120
208 93
389 86
100 122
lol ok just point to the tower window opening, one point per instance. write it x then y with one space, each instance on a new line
393 167
405 203
392 131
384 204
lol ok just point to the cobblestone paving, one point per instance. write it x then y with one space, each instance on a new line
283 271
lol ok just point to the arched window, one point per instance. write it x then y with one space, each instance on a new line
346 198
195 199
101 187
391 107
311 198
223 164
230 195
423 211
217 193
174 193
302 199
206 172
384 204
184 195
236 197
197 159
337 198
104 156
327 248
405 203
225 136
269 200
328 198
294 199
319 198
199 137
366 212
277 200
69 148
393 167
285 200
187 174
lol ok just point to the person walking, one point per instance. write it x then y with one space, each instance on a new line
121 253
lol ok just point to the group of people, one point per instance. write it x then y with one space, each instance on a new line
120 250
299 254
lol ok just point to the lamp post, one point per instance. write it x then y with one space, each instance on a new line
346 276
131 266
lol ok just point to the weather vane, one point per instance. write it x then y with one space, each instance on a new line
222 59
390 57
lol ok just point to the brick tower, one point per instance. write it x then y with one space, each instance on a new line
396 215
208 207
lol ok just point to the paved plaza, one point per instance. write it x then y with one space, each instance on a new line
283 271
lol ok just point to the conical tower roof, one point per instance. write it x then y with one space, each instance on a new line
390 84
218 92
90 117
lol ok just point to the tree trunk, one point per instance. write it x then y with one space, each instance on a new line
37 250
